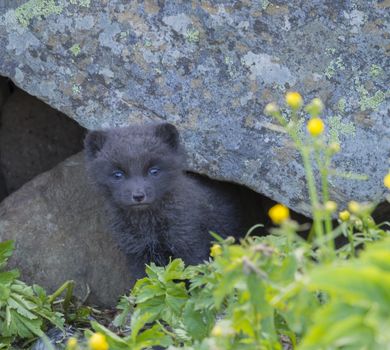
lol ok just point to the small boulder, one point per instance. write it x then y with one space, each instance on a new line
57 223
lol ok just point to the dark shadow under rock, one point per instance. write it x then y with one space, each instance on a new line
34 138
4 90
381 215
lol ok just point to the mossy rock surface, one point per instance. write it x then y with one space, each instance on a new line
210 67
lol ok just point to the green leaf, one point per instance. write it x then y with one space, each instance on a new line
153 306
21 326
176 296
226 286
354 283
340 324
8 316
379 255
40 292
23 309
114 341
125 305
198 323
257 290
16 302
4 293
6 250
173 271
153 271
138 321
20 287
8 277
147 292
152 337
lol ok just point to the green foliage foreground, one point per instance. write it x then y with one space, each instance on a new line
273 292
24 310
260 295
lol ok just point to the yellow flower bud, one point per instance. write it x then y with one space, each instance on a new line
315 126
317 103
344 215
331 206
354 207
98 342
217 331
294 100
358 224
315 107
71 343
334 147
271 108
245 295
386 180
279 213
215 250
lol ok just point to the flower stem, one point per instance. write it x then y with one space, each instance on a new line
317 217
323 164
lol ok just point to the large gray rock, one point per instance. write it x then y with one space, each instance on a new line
210 67
34 138
56 221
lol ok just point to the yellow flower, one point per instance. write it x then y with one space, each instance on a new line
71 343
344 215
386 180
354 207
217 331
294 100
315 126
215 250
278 214
330 206
271 108
98 342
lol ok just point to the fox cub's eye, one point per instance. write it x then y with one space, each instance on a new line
118 174
154 171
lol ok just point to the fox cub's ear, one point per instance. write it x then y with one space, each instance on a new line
93 143
169 134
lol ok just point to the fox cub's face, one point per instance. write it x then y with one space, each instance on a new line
136 166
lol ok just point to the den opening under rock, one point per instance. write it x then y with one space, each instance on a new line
33 137
50 208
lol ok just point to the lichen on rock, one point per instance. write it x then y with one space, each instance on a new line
210 68
36 9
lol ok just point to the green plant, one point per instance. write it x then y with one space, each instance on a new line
24 310
263 293
357 315
276 291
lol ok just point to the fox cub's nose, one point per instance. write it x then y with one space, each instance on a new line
138 197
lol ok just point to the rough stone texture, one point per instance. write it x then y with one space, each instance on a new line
210 67
34 138
56 223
